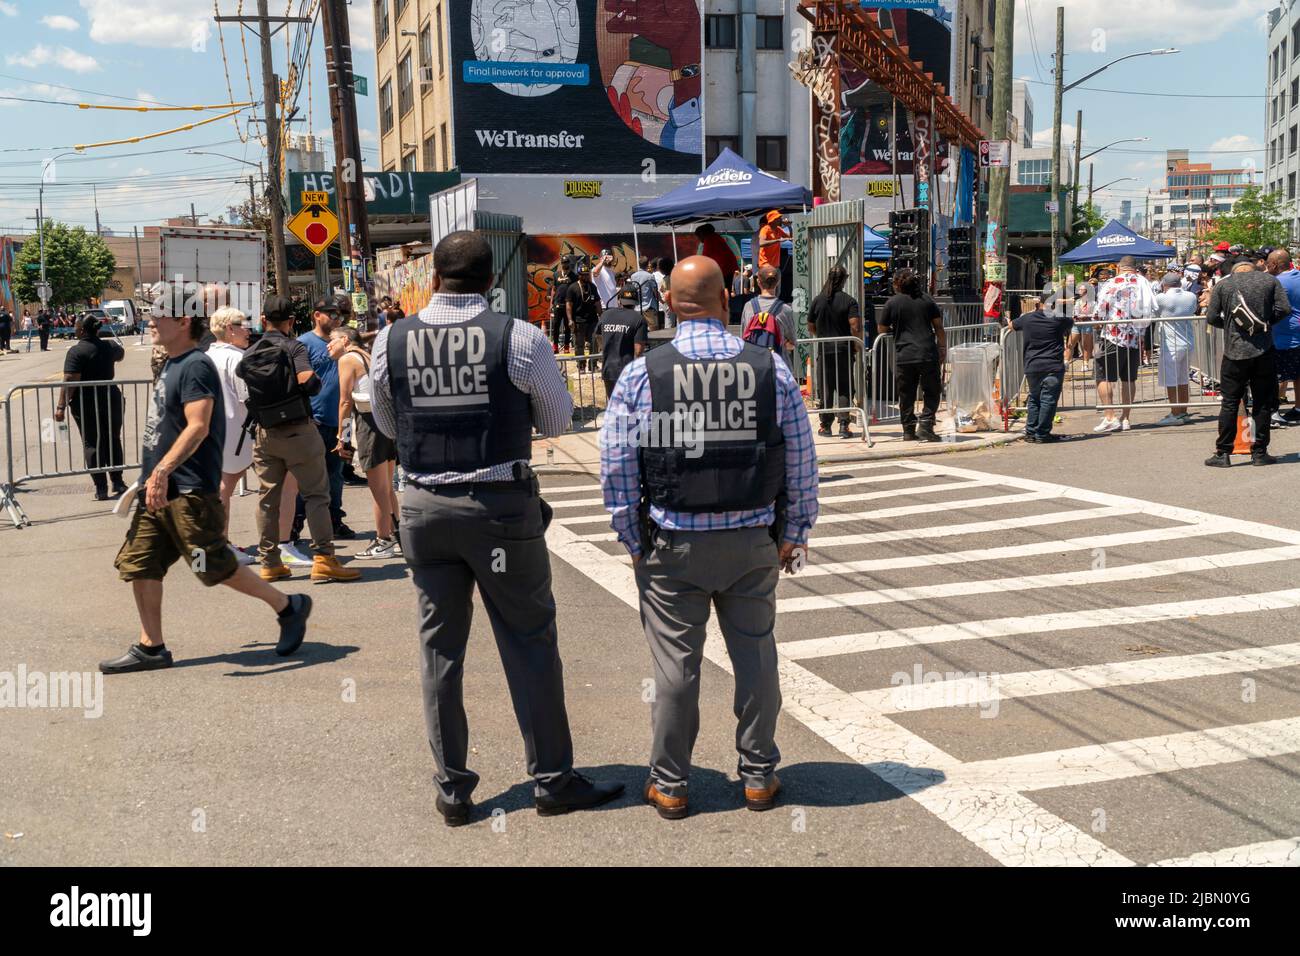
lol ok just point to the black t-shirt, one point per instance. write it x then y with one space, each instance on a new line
910 320
586 302
831 314
93 359
5 319
620 331
1044 339
299 357
186 378
560 294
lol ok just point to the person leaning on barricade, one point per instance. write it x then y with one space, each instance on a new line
709 473
179 513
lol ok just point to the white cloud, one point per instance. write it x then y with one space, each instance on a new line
8 9
47 92
361 26
1101 26
367 136
146 96
58 21
41 54
152 23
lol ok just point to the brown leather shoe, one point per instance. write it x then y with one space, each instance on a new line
670 808
763 798
326 567
273 572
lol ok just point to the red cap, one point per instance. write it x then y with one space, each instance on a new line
1221 247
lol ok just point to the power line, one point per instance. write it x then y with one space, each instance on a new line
1181 96
1033 42
76 89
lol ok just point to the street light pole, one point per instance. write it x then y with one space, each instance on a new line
1059 74
44 290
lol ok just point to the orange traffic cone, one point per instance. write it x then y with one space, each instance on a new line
1245 440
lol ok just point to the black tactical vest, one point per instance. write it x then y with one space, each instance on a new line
714 443
457 409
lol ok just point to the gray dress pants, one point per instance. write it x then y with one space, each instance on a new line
734 571
454 538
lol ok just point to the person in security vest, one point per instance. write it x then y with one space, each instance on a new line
710 477
460 388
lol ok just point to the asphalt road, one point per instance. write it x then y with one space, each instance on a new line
1105 628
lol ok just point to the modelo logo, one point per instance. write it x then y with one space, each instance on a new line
724 177
1115 240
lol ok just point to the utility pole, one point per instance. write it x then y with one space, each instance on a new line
1058 75
94 191
271 99
1078 144
340 153
351 189
194 217
252 199
139 263
995 246
1090 168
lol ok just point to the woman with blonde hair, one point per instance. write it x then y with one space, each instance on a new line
229 327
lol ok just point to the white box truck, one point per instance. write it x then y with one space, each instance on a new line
200 255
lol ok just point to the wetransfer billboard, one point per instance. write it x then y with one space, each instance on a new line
565 86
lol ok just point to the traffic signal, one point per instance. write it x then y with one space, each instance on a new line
909 242
961 260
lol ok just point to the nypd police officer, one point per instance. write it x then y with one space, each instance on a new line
710 477
460 388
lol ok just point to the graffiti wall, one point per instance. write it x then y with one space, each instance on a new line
410 284
8 252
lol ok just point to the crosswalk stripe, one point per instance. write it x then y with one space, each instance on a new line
1124 759
561 489
1284 852
878 514
1123 572
976 690
1119 539
1037 623
971 527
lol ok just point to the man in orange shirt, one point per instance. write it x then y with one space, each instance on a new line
716 248
770 236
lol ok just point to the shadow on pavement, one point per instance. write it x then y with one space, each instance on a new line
260 654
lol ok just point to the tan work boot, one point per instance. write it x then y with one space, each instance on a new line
273 572
326 568
763 798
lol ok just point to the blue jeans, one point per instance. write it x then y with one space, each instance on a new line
1044 392
329 434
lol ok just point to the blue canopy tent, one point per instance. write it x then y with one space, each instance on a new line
1115 240
731 188
874 245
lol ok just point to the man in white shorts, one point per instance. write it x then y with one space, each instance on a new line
1175 339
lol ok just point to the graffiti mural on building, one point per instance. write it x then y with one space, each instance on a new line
8 252
410 284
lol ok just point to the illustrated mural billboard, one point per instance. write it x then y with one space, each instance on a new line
569 86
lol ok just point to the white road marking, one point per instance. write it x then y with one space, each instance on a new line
1037 623
1123 759
1107 575
1284 852
1089 542
971 527
968 691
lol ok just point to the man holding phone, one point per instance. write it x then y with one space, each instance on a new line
180 515
721 499
602 275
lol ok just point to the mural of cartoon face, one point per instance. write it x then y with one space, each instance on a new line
525 31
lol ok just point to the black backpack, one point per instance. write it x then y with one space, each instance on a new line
274 395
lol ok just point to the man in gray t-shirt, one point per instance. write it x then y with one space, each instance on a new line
769 280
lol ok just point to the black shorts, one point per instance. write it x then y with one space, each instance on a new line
373 446
1117 364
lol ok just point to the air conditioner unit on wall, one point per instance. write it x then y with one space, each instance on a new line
426 76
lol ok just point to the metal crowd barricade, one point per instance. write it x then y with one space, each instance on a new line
962 314
37 447
839 378
582 375
884 367
1079 388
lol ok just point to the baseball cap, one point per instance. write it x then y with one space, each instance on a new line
629 293
1221 247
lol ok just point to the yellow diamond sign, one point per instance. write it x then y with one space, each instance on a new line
316 227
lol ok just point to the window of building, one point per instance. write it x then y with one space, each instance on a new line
1295 92
408 162
1282 56
771 33
381 22
386 106
1290 186
405 99
1200 209
720 31
426 47
1181 207
1295 36
430 156
1160 210
771 153
400 5
437 18
446 156
714 145
1034 172
1291 139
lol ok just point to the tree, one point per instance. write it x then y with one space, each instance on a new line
78 265
1256 220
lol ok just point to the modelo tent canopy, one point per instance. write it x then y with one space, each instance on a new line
731 188
1114 241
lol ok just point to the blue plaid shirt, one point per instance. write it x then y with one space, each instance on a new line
620 469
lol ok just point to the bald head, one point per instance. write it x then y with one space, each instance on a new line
696 289
1279 261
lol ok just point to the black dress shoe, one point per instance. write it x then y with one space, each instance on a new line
1262 458
578 794
926 433
343 533
824 432
100 496
136 660
453 814
909 434
119 490
293 624
846 433
1219 460
1049 438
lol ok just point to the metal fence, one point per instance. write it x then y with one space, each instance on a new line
884 367
101 432
839 378
582 375
1079 388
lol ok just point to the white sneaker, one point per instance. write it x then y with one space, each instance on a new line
1107 425
243 556
1171 419
1125 425
379 549
291 555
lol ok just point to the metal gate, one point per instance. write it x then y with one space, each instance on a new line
835 239
505 234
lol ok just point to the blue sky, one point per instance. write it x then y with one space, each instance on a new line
1211 95
140 52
